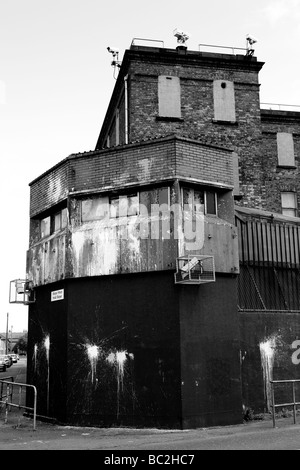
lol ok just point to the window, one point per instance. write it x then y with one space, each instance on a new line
289 204
124 206
169 101
94 209
45 227
224 101
285 149
59 221
210 203
53 223
199 201
236 176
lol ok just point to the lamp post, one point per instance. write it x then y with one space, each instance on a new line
6 346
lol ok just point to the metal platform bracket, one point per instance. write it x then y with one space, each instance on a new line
195 269
21 292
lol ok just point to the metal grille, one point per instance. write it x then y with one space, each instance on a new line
269 265
195 269
268 288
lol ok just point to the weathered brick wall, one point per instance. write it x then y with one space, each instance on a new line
197 107
276 179
197 104
252 138
49 189
135 164
204 162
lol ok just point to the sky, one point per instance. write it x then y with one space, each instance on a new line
56 81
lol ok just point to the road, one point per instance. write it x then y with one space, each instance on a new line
18 434
17 370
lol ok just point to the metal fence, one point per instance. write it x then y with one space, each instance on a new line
7 397
292 403
269 254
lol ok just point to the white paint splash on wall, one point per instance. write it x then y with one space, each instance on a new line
47 348
93 354
118 359
267 354
35 356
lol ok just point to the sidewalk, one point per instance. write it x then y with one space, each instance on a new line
18 434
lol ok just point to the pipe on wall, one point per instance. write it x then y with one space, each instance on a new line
126 108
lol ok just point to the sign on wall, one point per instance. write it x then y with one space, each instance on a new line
57 295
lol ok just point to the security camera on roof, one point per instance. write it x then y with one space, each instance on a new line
251 39
113 50
181 36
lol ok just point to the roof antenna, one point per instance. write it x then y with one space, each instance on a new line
115 62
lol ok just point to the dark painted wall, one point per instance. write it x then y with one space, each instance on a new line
268 351
114 356
47 352
130 324
134 321
210 354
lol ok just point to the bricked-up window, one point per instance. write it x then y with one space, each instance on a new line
53 223
200 201
169 97
285 149
289 203
124 205
224 101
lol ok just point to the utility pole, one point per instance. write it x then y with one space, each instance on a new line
6 347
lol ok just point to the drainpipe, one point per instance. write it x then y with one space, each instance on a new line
126 108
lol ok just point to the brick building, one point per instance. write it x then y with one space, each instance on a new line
163 265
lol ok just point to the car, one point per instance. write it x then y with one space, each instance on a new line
14 357
2 364
9 358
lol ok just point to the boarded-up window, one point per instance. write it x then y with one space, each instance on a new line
285 149
169 101
289 204
94 209
224 101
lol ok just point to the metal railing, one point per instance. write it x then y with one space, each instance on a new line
144 40
294 403
280 107
233 49
7 398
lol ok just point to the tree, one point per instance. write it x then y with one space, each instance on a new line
21 345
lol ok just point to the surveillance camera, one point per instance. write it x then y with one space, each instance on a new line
251 39
113 50
180 35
